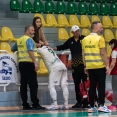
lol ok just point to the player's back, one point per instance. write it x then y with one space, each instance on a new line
49 57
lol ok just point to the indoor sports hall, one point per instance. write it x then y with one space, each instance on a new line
57 16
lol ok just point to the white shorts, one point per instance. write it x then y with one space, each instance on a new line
58 74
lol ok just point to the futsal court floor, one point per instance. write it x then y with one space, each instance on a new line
55 113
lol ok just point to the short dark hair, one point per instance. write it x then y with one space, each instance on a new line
27 27
115 43
94 23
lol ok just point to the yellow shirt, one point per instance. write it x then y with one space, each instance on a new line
91 46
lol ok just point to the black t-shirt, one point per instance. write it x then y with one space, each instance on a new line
75 48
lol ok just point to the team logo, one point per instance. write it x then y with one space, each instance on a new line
6 69
89 42
20 42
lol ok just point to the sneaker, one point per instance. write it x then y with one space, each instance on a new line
53 107
92 110
77 105
28 107
85 106
64 107
38 107
104 109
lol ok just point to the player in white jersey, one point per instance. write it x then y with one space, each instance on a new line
57 75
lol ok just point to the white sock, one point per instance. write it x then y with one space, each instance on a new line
55 102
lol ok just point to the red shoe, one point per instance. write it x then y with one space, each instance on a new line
112 107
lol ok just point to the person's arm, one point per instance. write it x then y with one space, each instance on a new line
31 54
14 47
83 58
104 56
38 45
112 65
43 39
62 47
113 62
30 47
103 51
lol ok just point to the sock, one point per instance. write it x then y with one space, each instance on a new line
55 102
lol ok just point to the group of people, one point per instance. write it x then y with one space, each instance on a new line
89 58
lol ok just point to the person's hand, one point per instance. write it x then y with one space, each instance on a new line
36 66
38 45
107 69
86 71
40 42
48 47
55 48
108 72
87 77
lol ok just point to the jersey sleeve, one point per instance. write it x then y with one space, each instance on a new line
101 43
30 44
114 54
14 47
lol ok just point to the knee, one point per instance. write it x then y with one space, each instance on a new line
50 87
63 86
33 86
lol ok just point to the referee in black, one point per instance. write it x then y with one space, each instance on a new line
74 44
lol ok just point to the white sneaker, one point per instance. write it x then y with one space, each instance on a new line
53 107
64 107
92 109
104 109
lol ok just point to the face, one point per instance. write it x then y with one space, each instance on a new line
99 28
112 46
76 33
38 22
31 32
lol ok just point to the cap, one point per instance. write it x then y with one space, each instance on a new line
75 28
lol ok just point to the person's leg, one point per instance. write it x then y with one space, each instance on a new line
101 78
53 93
23 86
92 88
77 81
114 88
33 85
64 87
54 79
85 96
100 74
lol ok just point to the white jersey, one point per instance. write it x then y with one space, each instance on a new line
49 57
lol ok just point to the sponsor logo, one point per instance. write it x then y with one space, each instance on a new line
6 69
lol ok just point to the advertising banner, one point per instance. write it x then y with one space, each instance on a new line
9 68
